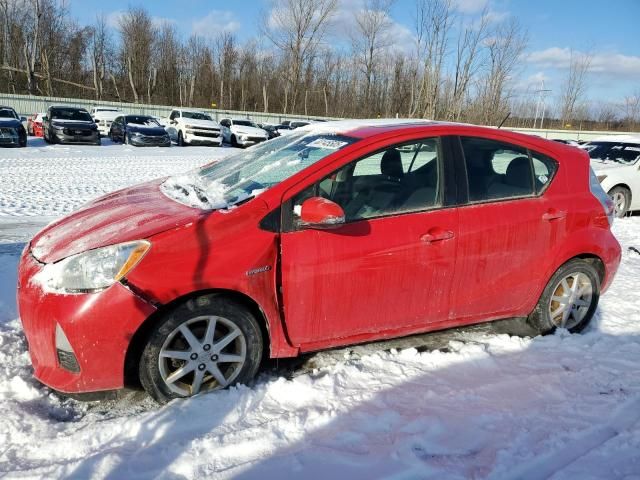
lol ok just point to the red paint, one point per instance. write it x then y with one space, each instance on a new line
356 282
320 211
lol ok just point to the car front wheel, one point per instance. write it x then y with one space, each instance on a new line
207 343
569 300
181 142
621 198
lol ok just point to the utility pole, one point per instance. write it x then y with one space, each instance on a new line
541 104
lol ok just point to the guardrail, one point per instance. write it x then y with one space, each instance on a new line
29 104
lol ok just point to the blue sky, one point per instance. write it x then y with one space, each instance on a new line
609 30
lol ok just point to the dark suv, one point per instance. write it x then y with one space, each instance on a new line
70 125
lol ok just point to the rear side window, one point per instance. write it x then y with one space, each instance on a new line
497 170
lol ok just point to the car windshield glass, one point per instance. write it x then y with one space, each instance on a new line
70 114
142 121
7 113
196 116
626 153
249 173
245 123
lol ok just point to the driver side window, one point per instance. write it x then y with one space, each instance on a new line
399 179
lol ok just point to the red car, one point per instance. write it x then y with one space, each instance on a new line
34 125
336 234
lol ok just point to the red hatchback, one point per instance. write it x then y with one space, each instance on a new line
341 233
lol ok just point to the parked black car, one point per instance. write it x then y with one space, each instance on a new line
69 125
272 130
12 132
140 131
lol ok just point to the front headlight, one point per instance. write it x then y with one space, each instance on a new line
93 270
601 178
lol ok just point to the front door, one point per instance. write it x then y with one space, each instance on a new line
388 269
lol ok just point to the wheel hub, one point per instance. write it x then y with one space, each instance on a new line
182 362
571 300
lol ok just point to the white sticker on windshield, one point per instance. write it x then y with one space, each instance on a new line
543 178
326 143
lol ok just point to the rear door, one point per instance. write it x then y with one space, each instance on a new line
507 226
388 269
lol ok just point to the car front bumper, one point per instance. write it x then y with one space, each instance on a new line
201 138
98 326
248 141
9 137
150 141
66 136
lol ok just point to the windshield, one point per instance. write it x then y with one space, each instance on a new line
196 116
142 120
247 174
625 153
71 114
7 113
245 123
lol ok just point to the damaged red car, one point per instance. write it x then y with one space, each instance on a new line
336 234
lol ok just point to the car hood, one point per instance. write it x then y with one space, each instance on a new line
131 214
72 123
10 123
146 130
600 166
111 116
200 123
248 131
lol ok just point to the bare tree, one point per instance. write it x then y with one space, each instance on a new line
504 46
137 40
433 22
370 38
99 47
471 38
296 28
574 85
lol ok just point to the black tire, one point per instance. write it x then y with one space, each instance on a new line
540 319
181 142
206 305
126 140
46 136
234 142
622 193
23 142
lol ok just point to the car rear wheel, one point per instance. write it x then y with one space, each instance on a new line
207 343
569 300
621 198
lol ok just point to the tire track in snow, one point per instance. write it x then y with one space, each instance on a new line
546 466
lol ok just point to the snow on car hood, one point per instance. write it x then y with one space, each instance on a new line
242 130
72 123
131 214
200 123
9 122
107 115
600 166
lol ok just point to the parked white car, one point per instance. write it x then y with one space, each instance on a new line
616 163
192 127
104 117
242 132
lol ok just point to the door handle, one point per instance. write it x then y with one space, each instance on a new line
553 214
436 234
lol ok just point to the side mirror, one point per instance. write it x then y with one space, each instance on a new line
45 119
23 119
320 213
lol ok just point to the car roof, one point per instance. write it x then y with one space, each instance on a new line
617 139
366 128
68 106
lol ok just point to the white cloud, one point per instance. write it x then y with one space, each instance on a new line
216 22
609 63
470 6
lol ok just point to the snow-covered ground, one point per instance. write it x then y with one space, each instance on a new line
491 406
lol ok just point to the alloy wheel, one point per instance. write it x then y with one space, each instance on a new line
571 300
204 353
619 202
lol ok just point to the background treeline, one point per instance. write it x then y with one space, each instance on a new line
302 62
